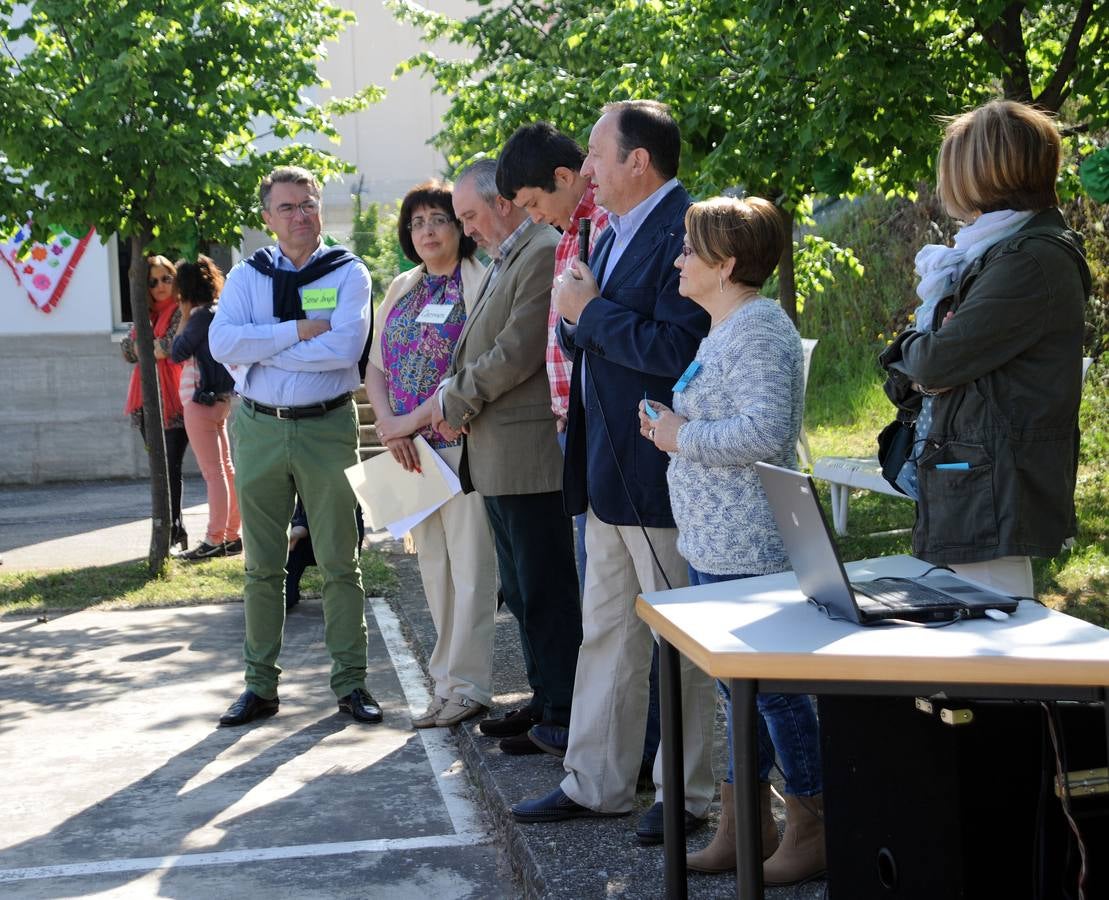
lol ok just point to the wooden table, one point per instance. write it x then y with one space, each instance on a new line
760 634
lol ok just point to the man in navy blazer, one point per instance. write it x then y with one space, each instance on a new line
631 335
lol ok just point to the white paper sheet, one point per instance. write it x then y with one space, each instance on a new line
395 499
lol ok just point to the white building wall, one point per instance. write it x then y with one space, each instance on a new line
387 143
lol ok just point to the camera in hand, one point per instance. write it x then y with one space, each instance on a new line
206 398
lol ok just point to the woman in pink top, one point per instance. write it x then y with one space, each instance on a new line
207 389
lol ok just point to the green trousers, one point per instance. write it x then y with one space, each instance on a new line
275 459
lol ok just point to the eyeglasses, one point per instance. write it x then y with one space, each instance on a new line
308 209
687 251
436 221
154 282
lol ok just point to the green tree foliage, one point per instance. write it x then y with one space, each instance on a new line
374 238
143 119
787 100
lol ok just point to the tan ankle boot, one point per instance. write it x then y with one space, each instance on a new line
800 856
766 820
719 855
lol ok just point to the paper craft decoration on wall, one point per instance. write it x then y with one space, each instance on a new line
44 270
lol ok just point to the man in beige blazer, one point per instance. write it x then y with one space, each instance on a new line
496 394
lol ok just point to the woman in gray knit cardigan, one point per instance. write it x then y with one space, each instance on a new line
740 403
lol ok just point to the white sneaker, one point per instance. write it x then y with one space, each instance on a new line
427 718
459 709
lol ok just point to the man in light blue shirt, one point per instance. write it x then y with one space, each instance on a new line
294 319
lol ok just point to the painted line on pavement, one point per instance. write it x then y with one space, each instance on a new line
449 771
233 857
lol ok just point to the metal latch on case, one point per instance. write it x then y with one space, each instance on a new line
956 716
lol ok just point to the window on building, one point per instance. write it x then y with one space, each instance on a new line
120 251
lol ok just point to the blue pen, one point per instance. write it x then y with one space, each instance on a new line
647 408
961 466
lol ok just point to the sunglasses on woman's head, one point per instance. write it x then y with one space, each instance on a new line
153 282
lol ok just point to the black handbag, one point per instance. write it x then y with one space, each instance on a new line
895 443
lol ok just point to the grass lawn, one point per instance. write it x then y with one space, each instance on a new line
854 318
130 585
1075 582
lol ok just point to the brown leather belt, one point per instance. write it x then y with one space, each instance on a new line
312 411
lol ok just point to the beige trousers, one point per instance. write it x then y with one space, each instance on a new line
609 713
459 571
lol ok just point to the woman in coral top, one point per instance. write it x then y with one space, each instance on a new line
165 319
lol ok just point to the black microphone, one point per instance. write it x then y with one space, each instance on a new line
583 239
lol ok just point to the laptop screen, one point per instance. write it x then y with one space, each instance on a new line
807 539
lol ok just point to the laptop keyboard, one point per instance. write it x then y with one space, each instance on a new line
897 593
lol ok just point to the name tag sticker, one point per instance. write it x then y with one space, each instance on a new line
687 376
319 298
435 313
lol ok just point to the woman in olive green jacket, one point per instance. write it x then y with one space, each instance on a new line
993 369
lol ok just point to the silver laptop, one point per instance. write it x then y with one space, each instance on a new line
936 597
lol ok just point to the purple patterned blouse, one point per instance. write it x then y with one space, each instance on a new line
416 354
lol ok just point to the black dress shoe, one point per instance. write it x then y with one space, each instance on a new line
649 829
247 708
360 704
519 745
556 807
511 724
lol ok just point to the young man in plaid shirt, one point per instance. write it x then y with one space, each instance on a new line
539 170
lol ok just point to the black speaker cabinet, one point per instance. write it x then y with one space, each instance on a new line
958 800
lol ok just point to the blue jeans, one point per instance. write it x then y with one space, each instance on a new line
787 725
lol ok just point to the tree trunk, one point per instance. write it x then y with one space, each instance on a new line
161 517
787 285
1006 36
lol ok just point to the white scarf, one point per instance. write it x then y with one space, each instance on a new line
941 267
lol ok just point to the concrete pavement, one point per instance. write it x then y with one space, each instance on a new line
116 780
86 523
113 766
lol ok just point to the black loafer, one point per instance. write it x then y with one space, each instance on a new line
519 745
511 724
649 829
556 807
247 708
360 704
